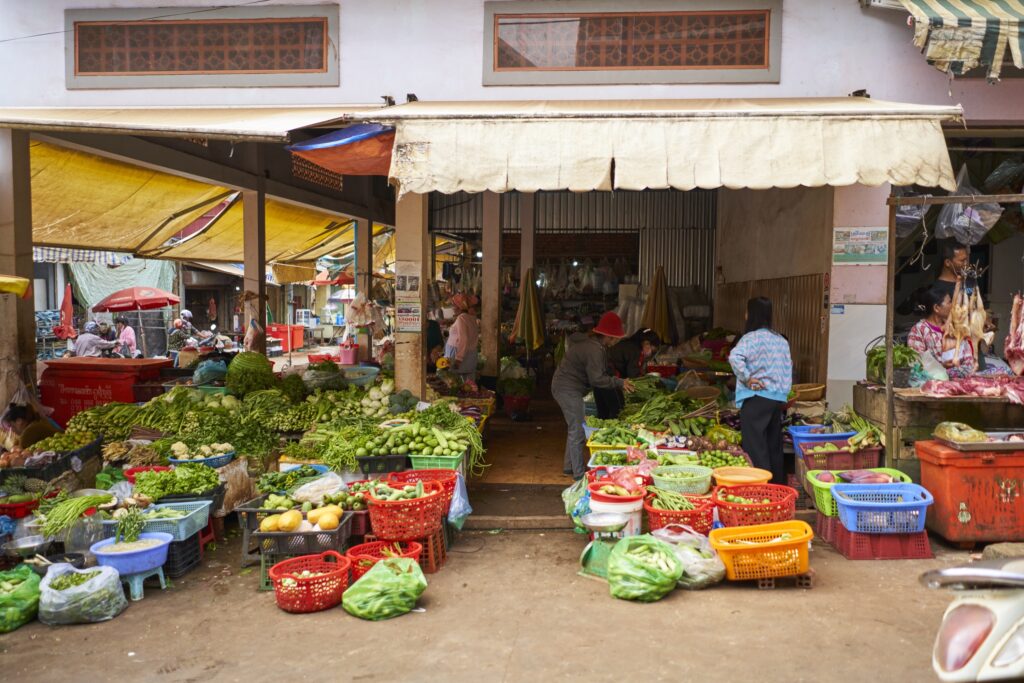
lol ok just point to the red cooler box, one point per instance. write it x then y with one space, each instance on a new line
979 495
290 335
70 385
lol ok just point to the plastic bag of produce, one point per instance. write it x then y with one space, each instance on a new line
19 597
314 492
642 568
390 589
572 494
210 371
323 379
460 508
701 565
98 596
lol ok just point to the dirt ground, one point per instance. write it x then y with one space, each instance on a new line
509 606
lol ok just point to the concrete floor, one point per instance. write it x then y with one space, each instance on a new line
509 607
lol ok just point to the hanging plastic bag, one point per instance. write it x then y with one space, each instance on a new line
1007 176
460 508
928 369
701 565
210 371
967 223
314 492
19 597
909 217
390 589
99 598
642 568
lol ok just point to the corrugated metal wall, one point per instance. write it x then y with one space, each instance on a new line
682 239
798 304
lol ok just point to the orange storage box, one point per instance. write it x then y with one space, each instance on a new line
979 496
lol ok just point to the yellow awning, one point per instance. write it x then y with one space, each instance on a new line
656 144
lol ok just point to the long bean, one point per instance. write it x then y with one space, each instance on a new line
669 500
64 515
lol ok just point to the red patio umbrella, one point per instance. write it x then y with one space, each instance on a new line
136 299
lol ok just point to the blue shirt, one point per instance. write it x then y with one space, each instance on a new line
762 355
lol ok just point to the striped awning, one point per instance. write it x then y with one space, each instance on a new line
957 37
66 255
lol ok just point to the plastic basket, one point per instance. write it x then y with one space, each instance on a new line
591 464
382 464
698 481
305 542
822 490
826 528
701 519
854 546
360 375
782 507
801 434
365 555
215 494
196 517
842 459
882 508
436 462
741 476
19 510
182 557
764 551
408 520
449 479
588 431
595 447
215 462
595 494
603 471
298 594
130 473
136 561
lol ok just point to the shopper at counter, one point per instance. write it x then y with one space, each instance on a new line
89 343
463 338
628 359
764 377
125 337
27 424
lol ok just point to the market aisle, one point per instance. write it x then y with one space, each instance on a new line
509 607
527 452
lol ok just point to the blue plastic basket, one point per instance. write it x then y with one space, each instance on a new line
882 508
143 560
801 435
214 462
359 375
196 518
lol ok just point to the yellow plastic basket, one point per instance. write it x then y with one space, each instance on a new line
764 551
741 476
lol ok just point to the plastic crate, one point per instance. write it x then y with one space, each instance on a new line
700 519
382 464
365 555
268 560
595 447
435 552
591 464
801 434
437 462
856 546
842 459
822 490
197 517
360 522
301 595
449 479
882 508
803 501
305 542
782 507
182 557
826 527
212 389
764 551
216 496
59 466
214 462
698 481
19 510
408 520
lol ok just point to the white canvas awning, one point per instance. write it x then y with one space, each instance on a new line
657 144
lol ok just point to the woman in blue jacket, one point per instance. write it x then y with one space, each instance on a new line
764 377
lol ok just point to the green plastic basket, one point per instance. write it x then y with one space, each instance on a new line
699 481
436 462
823 499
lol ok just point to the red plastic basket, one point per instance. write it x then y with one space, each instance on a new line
782 507
299 594
855 546
603 472
365 555
826 528
19 510
447 478
701 519
595 494
130 473
408 520
842 459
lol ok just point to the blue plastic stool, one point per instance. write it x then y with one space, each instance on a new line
135 582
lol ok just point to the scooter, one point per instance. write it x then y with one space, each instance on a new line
982 633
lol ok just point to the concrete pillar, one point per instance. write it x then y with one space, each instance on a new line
254 246
17 333
363 271
527 220
490 289
412 255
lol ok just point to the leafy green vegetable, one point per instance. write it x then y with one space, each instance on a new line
185 478
902 357
249 371
293 388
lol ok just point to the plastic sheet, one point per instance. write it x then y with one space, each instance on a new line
701 565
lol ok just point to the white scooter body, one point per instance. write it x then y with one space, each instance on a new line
982 633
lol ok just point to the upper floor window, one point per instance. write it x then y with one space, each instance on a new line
197 47
600 41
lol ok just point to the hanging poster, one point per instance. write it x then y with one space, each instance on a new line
409 317
852 246
408 281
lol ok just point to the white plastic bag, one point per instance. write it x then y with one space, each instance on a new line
967 223
460 508
314 492
701 565
99 599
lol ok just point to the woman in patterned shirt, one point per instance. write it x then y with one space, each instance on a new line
926 336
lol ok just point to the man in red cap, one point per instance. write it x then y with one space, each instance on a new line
585 367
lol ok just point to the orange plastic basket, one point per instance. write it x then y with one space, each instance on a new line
700 519
298 594
365 555
764 551
447 478
741 476
780 508
408 520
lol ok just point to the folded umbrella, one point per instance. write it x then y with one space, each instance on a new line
656 315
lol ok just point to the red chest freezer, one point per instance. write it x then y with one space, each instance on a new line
70 385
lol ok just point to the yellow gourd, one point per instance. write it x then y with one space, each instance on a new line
328 521
314 515
289 521
270 523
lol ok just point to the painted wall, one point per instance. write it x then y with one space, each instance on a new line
434 48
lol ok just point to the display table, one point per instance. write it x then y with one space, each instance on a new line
70 385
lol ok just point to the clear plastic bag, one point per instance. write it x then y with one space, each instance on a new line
460 508
577 503
701 565
632 578
210 371
314 492
1008 175
100 598
909 217
967 223
390 589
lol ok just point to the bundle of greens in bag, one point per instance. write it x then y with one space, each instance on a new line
642 568
702 567
80 596
390 589
19 597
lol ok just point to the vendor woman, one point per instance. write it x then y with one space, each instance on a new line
628 359
585 367
26 423
934 305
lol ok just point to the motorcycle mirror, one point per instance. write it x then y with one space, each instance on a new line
213 328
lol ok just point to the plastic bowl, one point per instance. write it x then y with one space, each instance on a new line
359 375
136 561
741 476
604 522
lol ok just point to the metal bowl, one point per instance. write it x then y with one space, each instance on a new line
26 546
604 522
76 560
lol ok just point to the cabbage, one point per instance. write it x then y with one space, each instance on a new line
387 387
376 394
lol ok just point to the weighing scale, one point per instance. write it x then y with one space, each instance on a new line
606 529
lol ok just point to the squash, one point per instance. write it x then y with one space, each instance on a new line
270 523
289 521
328 521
